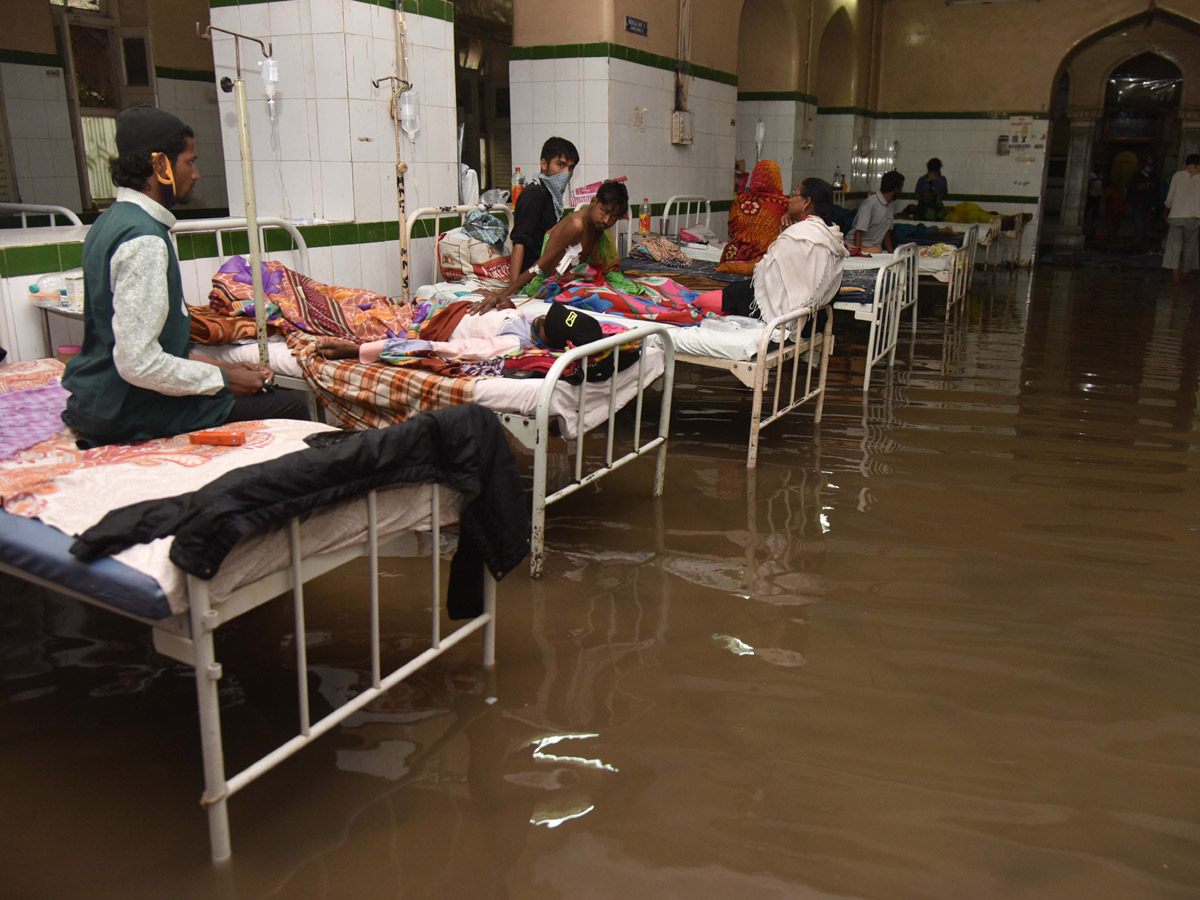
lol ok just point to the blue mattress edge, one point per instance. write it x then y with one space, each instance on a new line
32 546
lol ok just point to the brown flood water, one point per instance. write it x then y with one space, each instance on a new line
949 648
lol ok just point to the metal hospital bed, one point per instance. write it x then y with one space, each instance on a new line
36 552
535 431
25 210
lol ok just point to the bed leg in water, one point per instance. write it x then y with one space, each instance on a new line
208 672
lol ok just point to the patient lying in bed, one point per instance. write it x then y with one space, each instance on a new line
488 335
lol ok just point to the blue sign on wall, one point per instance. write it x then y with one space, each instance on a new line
636 26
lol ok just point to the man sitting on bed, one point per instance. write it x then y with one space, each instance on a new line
873 224
133 380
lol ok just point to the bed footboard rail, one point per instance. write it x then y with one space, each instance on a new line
655 444
205 618
811 353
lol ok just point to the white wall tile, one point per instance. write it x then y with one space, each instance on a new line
333 126
326 15
364 131
360 66
368 204
337 188
347 265
329 61
285 19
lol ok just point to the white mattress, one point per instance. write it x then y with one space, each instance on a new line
936 267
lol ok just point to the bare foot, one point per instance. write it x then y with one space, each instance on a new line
337 348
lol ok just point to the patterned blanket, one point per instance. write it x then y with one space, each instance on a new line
361 396
299 303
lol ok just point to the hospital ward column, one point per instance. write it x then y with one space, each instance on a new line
133 380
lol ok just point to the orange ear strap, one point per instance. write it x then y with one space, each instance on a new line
170 177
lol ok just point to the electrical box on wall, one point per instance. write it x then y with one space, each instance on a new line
681 127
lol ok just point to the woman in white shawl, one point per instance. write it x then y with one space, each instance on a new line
801 269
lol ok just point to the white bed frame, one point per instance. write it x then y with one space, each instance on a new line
220 226
189 638
24 210
756 373
895 291
678 209
535 433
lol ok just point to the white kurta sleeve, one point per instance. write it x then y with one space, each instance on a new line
138 274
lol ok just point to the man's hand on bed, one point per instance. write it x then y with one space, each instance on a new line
489 302
245 379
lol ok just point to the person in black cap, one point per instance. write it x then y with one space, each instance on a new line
133 379
492 334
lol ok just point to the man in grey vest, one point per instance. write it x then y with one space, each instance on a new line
133 380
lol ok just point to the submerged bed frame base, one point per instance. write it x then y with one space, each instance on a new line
534 432
189 639
804 354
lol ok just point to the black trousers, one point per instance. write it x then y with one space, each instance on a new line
272 403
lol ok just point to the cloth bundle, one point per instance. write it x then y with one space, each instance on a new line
661 250
296 302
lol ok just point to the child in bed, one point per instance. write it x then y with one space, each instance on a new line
538 209
498 332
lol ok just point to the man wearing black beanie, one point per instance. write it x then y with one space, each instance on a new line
133 380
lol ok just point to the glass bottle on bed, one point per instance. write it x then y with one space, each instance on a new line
644 216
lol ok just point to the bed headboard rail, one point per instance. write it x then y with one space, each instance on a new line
232 224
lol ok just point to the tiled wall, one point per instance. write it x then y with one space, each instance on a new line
336 148
193 97
39 127
596 102
783 119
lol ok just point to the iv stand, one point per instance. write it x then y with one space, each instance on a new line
238 87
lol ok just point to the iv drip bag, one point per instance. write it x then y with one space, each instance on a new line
410 113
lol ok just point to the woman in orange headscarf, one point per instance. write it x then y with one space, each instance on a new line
754 219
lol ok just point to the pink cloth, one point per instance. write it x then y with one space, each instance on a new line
30 416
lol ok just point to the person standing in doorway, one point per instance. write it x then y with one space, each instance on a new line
1182 253
1141 196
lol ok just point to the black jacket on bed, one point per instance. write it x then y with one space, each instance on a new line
463 447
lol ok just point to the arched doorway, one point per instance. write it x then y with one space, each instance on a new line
1132 89
838 125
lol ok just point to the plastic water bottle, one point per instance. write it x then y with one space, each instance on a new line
518 185
50 284
644 216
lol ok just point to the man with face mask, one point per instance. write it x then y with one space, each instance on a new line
537 210
133 380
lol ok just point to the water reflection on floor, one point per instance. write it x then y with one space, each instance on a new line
947 648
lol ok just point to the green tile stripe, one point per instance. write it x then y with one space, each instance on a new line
797 96
965 114
337 234
28 58
39 259
205 75
620 51
433 9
